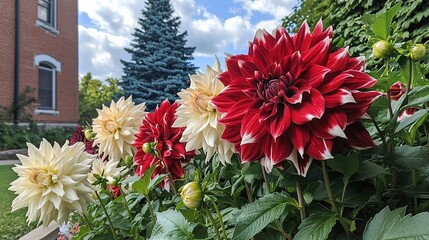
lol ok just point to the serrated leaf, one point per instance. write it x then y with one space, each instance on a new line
156 180
377 106
389 224
345 165
142 185
316 227
172 225
409 158
368 170
257 215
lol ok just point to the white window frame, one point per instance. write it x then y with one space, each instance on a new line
50 26
55 67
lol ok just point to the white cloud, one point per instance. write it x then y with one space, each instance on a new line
102 41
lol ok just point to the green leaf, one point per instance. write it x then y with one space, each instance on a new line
172 225
394 224
368 170
409 158
257 215
156 180
412 119
316 227
382 23
142 185
345 165
377 106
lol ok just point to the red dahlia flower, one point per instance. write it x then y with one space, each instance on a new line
397 90
289 98
164 140
78 136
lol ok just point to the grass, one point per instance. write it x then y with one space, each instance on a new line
13 225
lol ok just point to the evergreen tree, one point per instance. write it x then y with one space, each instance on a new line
160 61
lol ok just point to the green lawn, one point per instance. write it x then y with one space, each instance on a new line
12 225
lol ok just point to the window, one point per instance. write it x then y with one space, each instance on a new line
46 96
46 15
47 68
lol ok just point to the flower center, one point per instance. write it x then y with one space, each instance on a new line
283 89
42 177
111 126
202 102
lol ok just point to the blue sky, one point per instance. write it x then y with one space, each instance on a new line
214 27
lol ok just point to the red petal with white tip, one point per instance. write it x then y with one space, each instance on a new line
333 84
264 38
338 60
312 106
318 148
358 137
251 152
332 125
302 39
338 97
301 163
315 75
356 63
359 80
280 122
279 150
299 136
318 54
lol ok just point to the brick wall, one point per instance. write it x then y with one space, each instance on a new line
35 40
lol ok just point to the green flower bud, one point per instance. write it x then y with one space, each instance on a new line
89 135
418 52
382 49
192 195
147 148
128 160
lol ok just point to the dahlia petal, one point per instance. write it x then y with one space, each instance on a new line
331 125
338 97
252 129
301 163
318 33
264 38
236 113
315 75
280 122
229 97
261 57
225 77
312 106
338 60
357 110
284 47
232 134
358 80
247 68
358 136
277 150
335 83
267 110
302 39
295 64
279 32
251 152
299 136
318 148
318 54
356 63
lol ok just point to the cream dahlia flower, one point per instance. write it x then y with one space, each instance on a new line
108 170
52 182
200 118
115 127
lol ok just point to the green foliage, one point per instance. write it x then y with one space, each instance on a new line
395 224
24 106
93 93
316 227
172 225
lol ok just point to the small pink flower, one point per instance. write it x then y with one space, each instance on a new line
397 90
406 113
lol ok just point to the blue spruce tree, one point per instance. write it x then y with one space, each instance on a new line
160 61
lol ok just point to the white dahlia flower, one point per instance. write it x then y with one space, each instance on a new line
52 182
200 118
115 127
108 170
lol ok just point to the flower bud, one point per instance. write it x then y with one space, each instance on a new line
397 90
89 135
147 148
418 52
192 195
128 160
382 49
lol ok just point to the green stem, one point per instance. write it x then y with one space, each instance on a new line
249 191
301 202
220 219
126 205
107 215
212 221
172 184
266 180
389 104
150 208
410 75
87 221
380 133
415 200
331 199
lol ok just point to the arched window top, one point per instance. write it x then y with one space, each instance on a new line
47 61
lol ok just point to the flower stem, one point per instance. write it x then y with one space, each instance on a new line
410 75
266 180
249 191
380 133
107 215
172 184
87 221
212 221
150 208
220 219
331 199
126 204
300 201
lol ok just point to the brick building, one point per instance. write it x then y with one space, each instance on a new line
39 49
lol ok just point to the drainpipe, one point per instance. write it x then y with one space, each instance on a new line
16 67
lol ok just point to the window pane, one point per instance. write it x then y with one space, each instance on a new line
42 13
45 88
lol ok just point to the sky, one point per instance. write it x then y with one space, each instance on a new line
214 27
